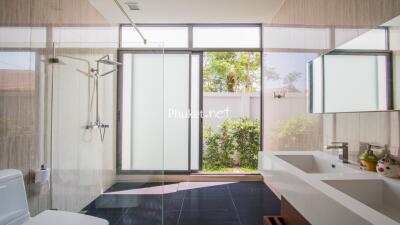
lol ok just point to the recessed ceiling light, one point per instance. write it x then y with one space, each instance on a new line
134 6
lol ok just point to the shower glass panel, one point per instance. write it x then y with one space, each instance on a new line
84 168
83 165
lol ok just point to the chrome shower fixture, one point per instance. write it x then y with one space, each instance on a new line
107 61
96 73
106 73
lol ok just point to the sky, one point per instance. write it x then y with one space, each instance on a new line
279 61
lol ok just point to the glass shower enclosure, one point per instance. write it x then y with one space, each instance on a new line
90 122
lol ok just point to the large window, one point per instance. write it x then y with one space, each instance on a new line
203 37
287 126
161 102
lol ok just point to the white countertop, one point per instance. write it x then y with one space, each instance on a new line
317 201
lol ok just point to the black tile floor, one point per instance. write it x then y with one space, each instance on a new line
186 203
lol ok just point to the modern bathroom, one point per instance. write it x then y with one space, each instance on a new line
185 112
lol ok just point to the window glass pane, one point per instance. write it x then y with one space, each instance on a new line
17 71
176 130
86 37
295 38
226 37
195 110
372 40
22 37
126 145
171 37
155 104
142 113
343 35
287 126
231 106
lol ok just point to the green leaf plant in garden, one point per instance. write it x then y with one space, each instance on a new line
247 138
239 138
289 133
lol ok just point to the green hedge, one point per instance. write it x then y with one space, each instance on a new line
234 137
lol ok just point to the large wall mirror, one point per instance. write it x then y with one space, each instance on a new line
360 75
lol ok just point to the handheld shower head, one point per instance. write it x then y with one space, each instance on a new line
108 72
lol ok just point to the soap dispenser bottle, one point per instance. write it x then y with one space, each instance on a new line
369 160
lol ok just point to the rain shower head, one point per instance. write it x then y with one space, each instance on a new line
106 60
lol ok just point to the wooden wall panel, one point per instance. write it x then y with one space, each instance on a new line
49 12
358 13
65 12
14 12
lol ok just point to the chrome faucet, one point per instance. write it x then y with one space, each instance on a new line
343 148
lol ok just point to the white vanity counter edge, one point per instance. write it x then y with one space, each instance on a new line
317 201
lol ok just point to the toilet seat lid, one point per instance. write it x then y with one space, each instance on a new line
52 217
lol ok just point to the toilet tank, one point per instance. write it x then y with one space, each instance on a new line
13 204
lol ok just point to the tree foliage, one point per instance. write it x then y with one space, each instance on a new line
231 72
288 80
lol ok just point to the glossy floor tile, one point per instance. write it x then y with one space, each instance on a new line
185 203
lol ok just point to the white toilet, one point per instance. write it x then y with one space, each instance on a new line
14 206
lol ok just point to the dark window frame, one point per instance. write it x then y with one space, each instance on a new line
191 51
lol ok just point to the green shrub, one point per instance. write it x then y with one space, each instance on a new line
291 133
247 133
227 141
233 136
212 157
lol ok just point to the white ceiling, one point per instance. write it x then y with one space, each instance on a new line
191 11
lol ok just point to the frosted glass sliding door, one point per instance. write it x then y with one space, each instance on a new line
142 123
154 124
176 92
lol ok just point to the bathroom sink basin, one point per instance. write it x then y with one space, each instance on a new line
312 164
381 195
